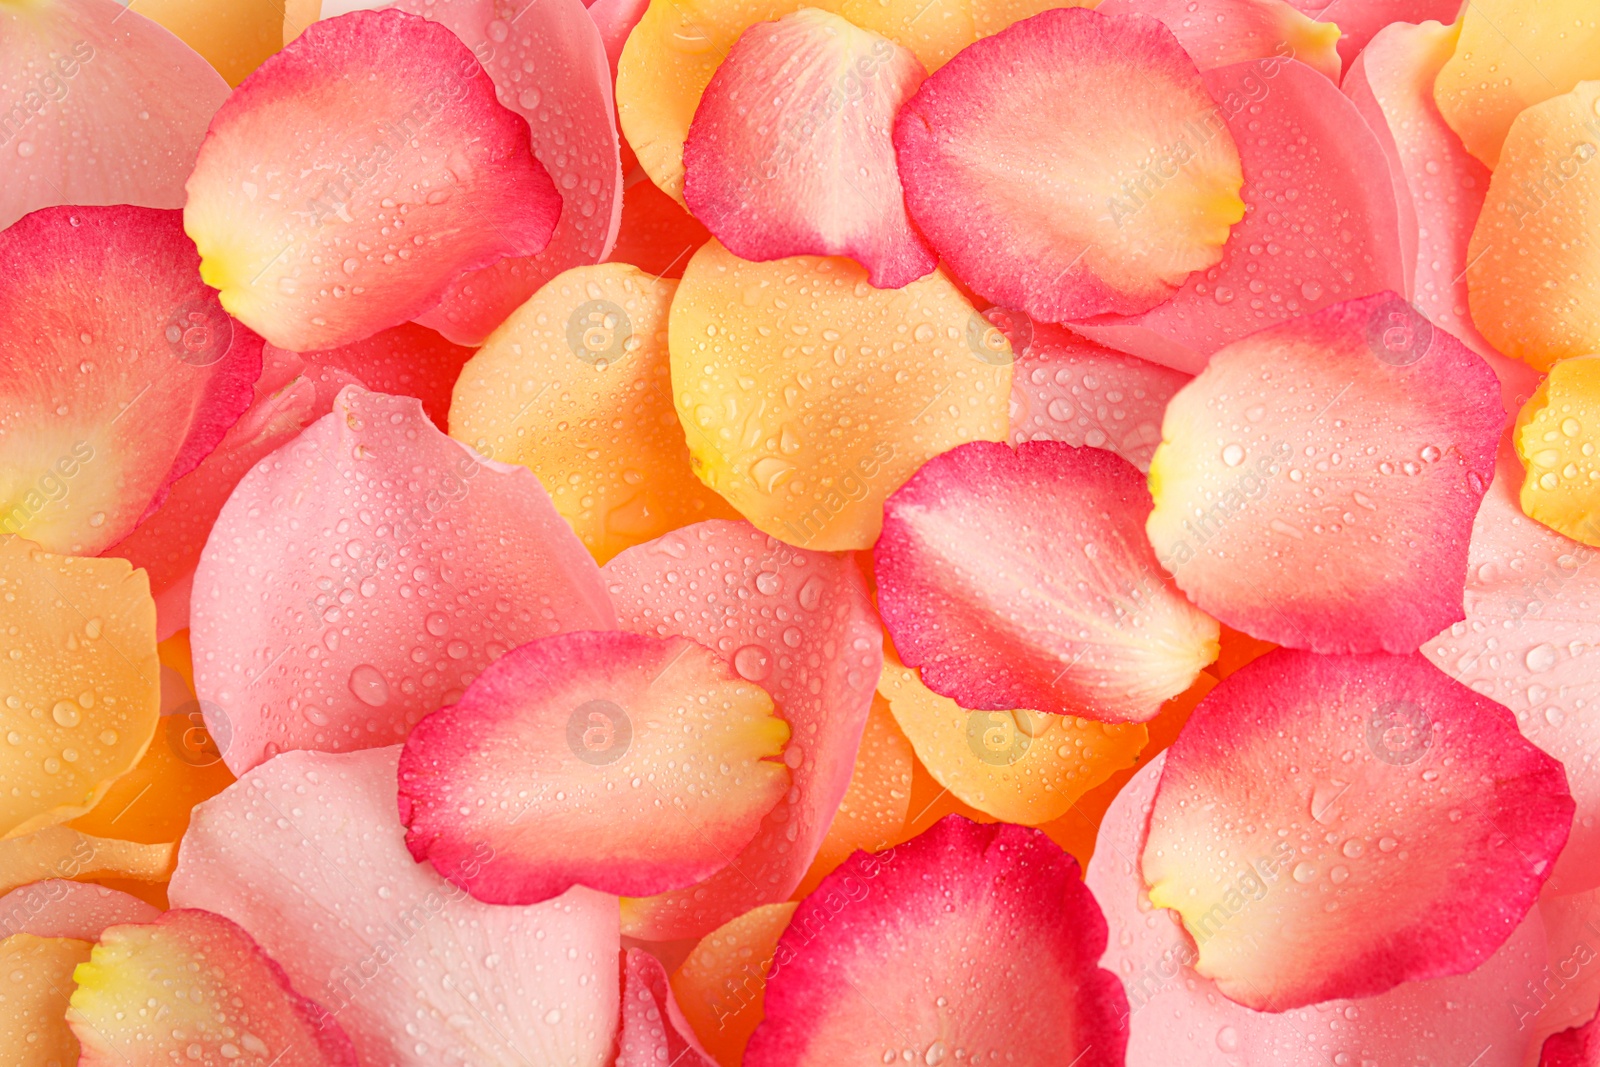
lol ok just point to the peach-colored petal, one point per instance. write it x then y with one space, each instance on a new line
1217 33
58 852
56 907
397 565
306 853
235 36
33 1000
1555 439
721 985
652 1031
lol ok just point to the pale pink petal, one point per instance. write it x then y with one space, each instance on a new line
1217 33
1360 20
653 1032
59 908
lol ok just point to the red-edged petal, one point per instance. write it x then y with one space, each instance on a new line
625 763
1070 165
1066 388
926 952
1402 824
790 151
168 543
657 235
407 360
1316 483
548 63
194 987
1360 20
1531 641
307 855
119 371
79 910
1022 579
1578 1047
653 1031
104 107
1179 1016
1217 33
395 566
797 623
355 175
1321 224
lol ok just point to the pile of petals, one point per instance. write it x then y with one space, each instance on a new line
701 533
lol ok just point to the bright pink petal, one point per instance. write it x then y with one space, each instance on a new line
1022 579
79 910
790 151
119 371
1040 199
1316 483
548 64
1066 388
934 947
1531 640
797 623
355 175
1177 1016
653 1032
657 235
1360 20
364 574
407 360
103 107
625 763
1578 1047
1217 33
1321 225
307 855
1404 826
192 987
168 543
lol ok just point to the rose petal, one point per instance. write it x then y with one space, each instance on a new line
721 986
406 360
1443 1020
1080 230
576 387
1067 388
307 855
105 107
812 463
355 175
1360 20
78 910
543 757
57 852
108 317
653 1030
1566 994
1578 1047
33 1004
657 235
1403 836
1315 484
799 625
932 948
1554 440
1329 230
397 566
1217 33
780 163
1021 579
235 36
193 984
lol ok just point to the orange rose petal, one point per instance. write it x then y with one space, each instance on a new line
234 36
721 984
33 999
60 852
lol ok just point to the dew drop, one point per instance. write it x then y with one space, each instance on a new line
367 683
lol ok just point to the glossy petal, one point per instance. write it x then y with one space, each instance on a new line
576 387
387 537
192 984
82 682
1177 1013
1218 33
1021 579
58 908
307 855
790 153
799 625
1531 268
407 360
721 986
1403 836
652 1029
657 235
57 852
1555 439
33 1002
1511 57
1099 219
808 453
108 318
1067 388
1316 483
544 757
1330 229
355 175
934 946
104 107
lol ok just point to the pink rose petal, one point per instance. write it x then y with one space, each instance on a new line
79 910
653 1031
405 360
1218 33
